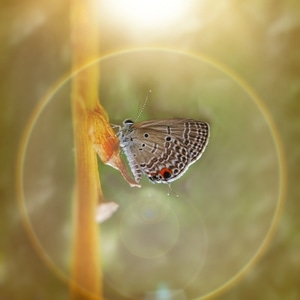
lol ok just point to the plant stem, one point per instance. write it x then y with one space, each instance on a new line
86 273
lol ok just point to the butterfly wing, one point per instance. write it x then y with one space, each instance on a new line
192 134
164 149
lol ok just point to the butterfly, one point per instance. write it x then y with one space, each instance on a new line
163 149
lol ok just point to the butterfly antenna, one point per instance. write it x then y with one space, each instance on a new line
143 106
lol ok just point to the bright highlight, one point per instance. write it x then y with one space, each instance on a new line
146 13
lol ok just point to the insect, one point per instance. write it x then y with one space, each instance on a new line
163 149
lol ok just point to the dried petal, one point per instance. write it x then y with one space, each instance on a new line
106 144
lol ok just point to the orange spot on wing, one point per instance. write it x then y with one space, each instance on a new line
165 172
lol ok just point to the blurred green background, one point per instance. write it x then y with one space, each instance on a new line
226 201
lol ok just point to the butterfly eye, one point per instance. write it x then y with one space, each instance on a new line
128 121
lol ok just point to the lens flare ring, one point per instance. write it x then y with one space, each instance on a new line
148 214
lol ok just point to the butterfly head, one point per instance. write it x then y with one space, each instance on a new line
124 133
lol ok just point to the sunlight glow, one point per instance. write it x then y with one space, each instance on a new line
147 13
